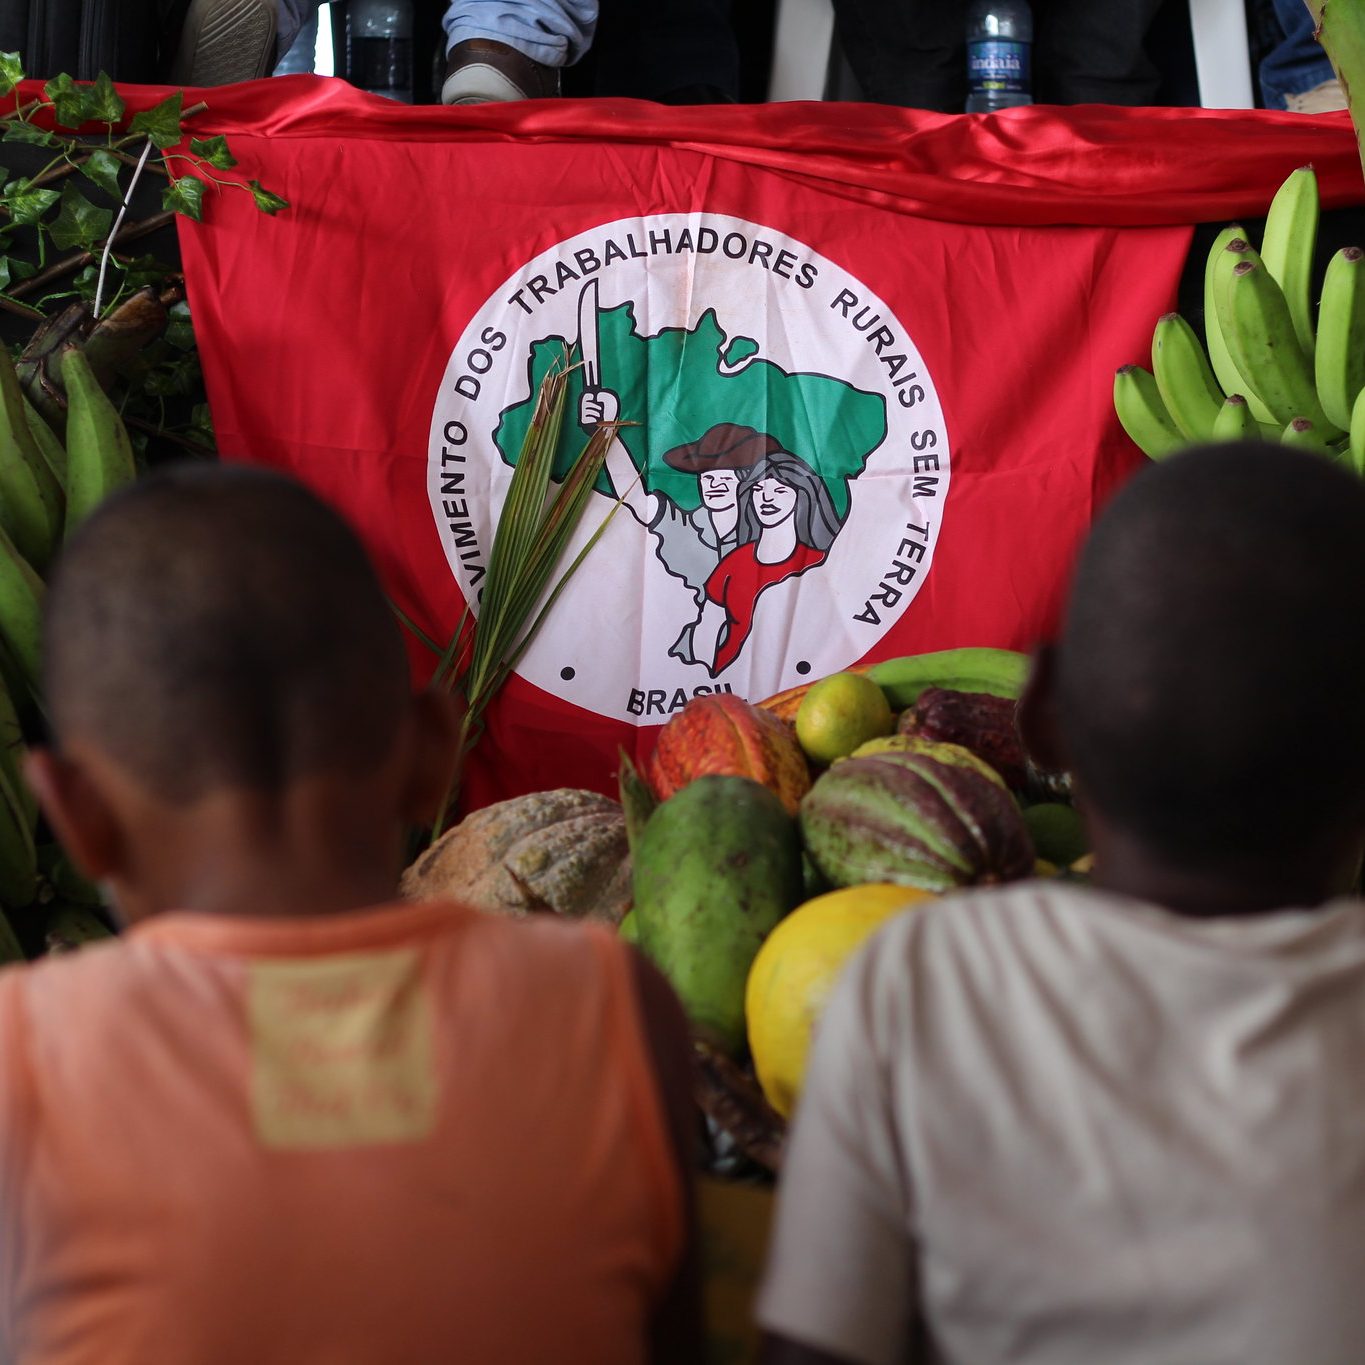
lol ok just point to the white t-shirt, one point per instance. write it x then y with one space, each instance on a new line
1059 1126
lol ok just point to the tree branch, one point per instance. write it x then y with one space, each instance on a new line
69 264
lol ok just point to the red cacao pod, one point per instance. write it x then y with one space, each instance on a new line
723 734
977 721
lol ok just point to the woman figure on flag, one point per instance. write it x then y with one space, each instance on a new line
787 522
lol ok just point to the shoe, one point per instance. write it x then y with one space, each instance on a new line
1321 99
480 71
225 41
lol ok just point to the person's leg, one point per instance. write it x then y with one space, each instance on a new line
1092 52
1297 66
676 51
549 32
907 52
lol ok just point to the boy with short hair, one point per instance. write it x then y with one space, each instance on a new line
1126 1122
283 1119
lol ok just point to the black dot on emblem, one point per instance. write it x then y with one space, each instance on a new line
803 667
566 674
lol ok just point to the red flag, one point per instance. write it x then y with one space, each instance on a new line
869 353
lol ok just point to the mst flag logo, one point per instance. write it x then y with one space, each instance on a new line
783 483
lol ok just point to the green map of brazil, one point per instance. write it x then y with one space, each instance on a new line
680 383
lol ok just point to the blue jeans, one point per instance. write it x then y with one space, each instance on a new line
1296 64
552 32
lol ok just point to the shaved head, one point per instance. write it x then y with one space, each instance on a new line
1209 672
218 626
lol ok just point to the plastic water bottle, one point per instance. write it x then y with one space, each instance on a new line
999 35
377 47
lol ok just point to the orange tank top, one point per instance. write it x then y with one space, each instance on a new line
414 1134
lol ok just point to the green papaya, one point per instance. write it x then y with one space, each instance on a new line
718 865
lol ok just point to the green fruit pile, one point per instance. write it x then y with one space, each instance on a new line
47 488
1266 371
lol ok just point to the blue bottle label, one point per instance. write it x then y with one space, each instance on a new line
998 66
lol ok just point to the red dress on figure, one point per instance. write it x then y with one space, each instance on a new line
735 584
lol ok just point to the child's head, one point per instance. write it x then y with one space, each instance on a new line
216 638
1208 680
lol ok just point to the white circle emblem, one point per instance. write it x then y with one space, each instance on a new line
781 486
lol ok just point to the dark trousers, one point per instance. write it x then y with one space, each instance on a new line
913 52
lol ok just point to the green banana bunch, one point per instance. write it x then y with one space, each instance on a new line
1291 235
1285 378
1184 378
1339 361
99 455
973 668
31 504
1143 415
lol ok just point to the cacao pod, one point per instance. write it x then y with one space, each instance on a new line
563 851
977 721
723 735
916 820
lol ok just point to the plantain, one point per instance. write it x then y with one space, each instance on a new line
21 614
1234 421
1302 434
99 455
1287 248
1354 456
1184 378
1229 247
1143 415
30 496
1261 340
973 668
1339 361
48 442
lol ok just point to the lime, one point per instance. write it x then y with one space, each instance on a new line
839 713
793 974
1058 833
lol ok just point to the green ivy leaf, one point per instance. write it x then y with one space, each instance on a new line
27 132
12 270
11 71
161 123
70 102
214 150
266 200
105 102
185 196
179 332
102 168
26 206
79 223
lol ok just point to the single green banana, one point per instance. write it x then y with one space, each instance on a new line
1260 337
1291 238
1355 446
49 444
18 856
30 496
21 613
1143 415
99 455
1303 434
1229 247
972 668
1235 422
1339 362
1184 378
